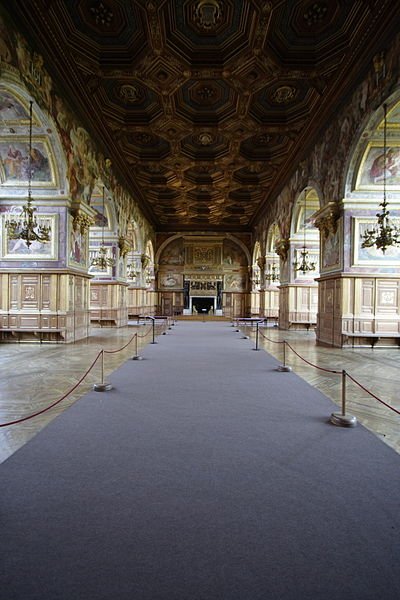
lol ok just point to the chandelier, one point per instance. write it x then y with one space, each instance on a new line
305 265
384 232
25 226
101 260
273 273
131 272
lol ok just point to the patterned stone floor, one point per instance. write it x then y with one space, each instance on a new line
34 376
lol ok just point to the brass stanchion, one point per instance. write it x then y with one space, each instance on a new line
284 368
136 355
257 324
341 419
154 332
102 387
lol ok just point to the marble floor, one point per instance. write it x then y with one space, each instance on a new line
34 376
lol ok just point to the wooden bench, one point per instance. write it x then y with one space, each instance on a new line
41 333
373 337
307 324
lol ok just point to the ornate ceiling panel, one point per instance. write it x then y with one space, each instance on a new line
205 106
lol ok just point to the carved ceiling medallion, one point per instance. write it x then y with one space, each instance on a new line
205 139
315 13
208 15
284 94
102 14
129 94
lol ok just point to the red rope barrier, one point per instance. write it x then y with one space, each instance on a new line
310 363
120 349
39 412
269 339
371 394
145 334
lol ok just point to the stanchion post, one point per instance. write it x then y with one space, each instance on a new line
102 387
257 324
136 355
154 331
284 368
342 419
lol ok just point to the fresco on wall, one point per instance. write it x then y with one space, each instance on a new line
171 280
15 159
372 167
173 254
10 108
234 283
372 256
330 251
16 249
100 218
78 247
233 255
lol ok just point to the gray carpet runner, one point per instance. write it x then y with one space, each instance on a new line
203 475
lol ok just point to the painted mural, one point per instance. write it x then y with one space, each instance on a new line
173 254
17 249
10 108
373 168
15 159
233 255
78 247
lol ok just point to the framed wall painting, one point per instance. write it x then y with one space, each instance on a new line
331 250
371 256
17 249
78 251
14 158
371 172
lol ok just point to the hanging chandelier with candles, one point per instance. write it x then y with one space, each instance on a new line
131 272
25 226
101 261
384 233
305 264
273 273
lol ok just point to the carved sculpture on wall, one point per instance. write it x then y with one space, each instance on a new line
282 248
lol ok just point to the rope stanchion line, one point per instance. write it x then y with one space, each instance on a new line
342 372
371 394
97 387
40 412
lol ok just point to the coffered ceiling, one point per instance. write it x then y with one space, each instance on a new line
206 106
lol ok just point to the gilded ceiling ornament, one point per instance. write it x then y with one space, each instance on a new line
208 14
205 92
205 139
102 14
129 93
263 139
284 94
315 13
143 138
